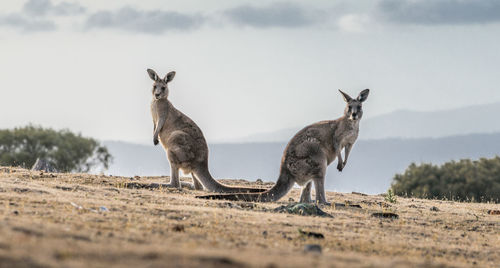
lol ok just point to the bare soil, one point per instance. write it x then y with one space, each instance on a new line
82 220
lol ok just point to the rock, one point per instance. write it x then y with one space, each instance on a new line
303 209
312 248
247 205
76 205
43 165
312 234
335 205
103 209
259 181
178 228
494 212
387 215
434 208
264 234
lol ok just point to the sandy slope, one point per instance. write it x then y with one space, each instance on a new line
55 220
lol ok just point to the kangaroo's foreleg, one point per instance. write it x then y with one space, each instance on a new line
157 128
347 150
340 164
305 195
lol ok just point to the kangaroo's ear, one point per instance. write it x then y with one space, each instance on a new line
363 95
169 77
153 75
347 98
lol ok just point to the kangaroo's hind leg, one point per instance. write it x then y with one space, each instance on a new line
305 195
319 184
174 177
196 182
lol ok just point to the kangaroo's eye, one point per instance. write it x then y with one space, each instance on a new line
163 88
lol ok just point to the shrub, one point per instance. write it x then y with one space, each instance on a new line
465 180
63 149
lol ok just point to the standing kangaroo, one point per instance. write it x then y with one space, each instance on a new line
183 141
308 154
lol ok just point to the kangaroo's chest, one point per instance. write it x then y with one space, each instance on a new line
345 136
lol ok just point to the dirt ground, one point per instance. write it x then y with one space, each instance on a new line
81 220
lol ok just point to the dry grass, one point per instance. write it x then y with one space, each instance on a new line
55 220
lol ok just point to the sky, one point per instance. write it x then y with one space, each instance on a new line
243 67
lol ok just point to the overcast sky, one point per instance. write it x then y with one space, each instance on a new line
242 67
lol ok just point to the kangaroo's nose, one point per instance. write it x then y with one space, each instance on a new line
157 95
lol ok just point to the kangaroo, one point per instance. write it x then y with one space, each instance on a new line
308 154
183 141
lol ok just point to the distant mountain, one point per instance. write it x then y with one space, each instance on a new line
370 169
413 124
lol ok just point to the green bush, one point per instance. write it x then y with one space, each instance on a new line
465 180
63 149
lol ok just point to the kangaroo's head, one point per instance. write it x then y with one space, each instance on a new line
354 109
160 87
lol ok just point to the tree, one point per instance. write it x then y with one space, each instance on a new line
463 180
63 149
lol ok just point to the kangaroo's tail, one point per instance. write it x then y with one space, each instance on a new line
212 185
280 189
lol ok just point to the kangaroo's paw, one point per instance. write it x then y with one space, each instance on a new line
188 185
340 166
170 185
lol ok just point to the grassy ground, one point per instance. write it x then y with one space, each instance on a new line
80 220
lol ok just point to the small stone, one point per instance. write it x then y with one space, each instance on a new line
387 215
312 234
178 228
494 212
315 248
304 209
264 234
434 208
15 212
103 209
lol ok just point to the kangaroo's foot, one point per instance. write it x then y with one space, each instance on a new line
323 203
170 185
197 184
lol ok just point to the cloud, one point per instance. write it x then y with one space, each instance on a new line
284 15
46 7
429 12
130 19
32 17
354 23
27 24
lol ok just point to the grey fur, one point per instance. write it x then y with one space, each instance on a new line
183 141
308 154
